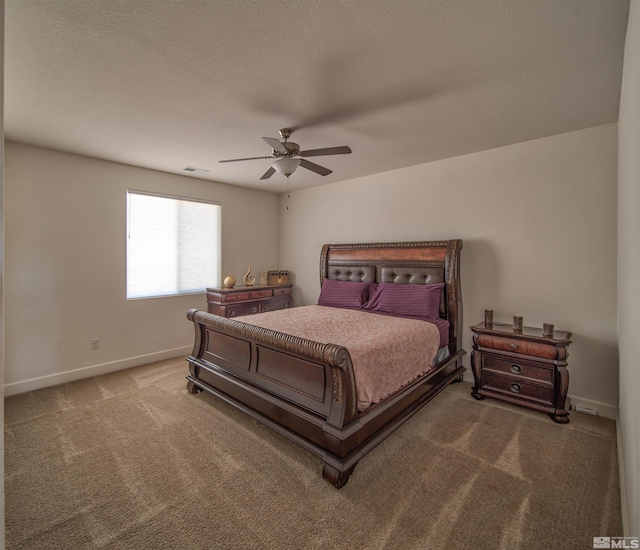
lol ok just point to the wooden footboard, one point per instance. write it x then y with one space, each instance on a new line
297 373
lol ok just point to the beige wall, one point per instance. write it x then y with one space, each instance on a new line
628 273
538 220
65 265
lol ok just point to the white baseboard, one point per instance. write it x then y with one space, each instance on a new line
31 384
602 409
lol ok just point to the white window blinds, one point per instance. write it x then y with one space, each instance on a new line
173 245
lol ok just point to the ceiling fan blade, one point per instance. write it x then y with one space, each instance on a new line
276 145
315 167
249 158
268 173
344 150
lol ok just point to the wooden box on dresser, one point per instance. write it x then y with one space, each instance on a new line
246 300
522 367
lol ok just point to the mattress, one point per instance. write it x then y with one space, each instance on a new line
387 352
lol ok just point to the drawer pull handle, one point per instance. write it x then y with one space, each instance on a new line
254 309
516 369
515 387
232 313
514 346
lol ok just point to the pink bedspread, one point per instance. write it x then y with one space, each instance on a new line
387 352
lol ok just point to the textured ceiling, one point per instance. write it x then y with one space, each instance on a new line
166 84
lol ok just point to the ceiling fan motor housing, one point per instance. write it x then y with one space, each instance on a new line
293 148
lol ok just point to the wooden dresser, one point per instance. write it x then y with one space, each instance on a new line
246 300
522 367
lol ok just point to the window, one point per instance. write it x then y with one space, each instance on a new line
173 245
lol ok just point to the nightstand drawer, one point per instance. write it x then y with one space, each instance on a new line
518 346
517 369
517 388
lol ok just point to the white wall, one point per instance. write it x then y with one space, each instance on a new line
65 265
538 221
628 273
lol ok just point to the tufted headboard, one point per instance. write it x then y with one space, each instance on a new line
424 262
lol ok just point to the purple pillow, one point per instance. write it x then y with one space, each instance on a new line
405 299
343 293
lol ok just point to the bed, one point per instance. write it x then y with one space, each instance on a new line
307 389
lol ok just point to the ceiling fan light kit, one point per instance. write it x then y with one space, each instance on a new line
285 151
286 166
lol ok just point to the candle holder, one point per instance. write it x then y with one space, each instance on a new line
488 317
517 323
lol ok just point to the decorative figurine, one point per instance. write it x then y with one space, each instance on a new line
229 282
248 278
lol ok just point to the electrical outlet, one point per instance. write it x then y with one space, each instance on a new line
95 343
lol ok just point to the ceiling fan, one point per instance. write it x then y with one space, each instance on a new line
286 151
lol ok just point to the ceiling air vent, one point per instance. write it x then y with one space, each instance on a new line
193 170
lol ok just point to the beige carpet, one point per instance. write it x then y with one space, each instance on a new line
131 460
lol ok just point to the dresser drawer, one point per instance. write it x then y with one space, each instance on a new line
260 294
247 295
518 346
517 388
282 291
234 310
274 304
517 368
248 300
236 297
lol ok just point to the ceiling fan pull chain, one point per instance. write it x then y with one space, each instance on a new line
288 193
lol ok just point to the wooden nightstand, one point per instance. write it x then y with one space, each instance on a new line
522 367
246 300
